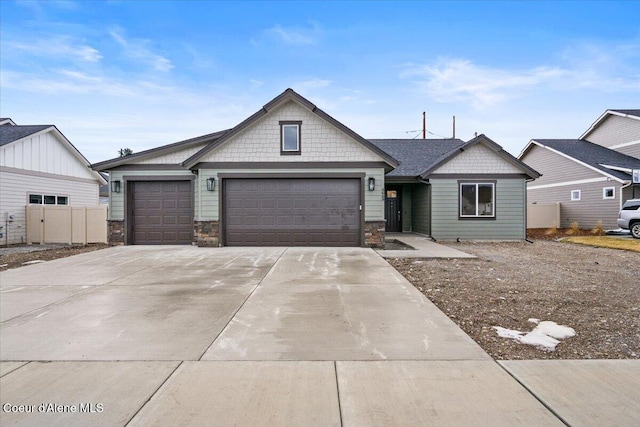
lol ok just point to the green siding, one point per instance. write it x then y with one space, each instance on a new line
406 208
420 208
116 200
509 224
373 200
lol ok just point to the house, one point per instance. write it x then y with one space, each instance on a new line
293 175
592 176
38 165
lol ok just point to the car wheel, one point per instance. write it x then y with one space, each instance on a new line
635 230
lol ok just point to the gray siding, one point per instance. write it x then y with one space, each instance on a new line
615 130
406 207
509 223
555 168
421 208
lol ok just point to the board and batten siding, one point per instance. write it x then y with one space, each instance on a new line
44 152
15 188
116 200
208 209
509 223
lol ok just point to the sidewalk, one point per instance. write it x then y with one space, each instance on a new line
423 248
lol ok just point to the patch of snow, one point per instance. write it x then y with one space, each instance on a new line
545 336
533 320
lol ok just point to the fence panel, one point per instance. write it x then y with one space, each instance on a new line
543 215
66 224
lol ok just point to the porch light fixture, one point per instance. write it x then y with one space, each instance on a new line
211 184
372 184
115 186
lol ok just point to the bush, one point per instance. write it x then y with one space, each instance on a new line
552 231
575 228
599 230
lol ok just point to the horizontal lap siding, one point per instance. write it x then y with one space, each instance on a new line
509 223
420 208
616 130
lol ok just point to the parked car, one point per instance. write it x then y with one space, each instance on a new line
629 217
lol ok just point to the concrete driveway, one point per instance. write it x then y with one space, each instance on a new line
240 336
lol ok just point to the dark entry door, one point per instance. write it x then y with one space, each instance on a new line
393 208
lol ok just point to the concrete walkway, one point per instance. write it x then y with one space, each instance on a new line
423 247
269 336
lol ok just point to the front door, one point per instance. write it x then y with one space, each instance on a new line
393 207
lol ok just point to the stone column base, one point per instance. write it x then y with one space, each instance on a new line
206 233
374 234
115 232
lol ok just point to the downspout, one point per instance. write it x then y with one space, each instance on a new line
622 187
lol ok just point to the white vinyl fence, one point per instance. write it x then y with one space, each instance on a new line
66 224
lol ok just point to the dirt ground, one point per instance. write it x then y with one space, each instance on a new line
15 256
595 291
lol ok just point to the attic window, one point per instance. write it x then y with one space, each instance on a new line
290 137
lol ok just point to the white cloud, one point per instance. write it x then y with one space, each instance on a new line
55 46
296 36
138 49
459 80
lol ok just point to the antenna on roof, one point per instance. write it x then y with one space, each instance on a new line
424 125
454 127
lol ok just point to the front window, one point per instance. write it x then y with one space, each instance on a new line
290 137
477 200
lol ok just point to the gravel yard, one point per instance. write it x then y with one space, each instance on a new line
595 291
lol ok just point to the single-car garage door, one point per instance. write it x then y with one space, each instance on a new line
292 212
161 212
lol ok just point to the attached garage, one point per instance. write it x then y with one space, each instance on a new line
160 212
292 211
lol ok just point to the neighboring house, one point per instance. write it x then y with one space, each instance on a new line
104 190
38 165
292 175
591 177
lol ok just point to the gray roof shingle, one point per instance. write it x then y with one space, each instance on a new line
629 112
416 155
8 134
593 155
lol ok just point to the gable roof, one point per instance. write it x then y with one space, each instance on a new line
631 114
6 121
13 133
416 155
596 157
420 158
165 149
286 96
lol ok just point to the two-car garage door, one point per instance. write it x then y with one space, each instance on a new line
291 211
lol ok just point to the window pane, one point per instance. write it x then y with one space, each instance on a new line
63 200
35 199
485 199
49 200
468 199
290 136
392 194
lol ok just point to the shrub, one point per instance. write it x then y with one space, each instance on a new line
599 230
575 228
552 231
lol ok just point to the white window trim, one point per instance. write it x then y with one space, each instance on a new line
493 199
604 193
43 195
297 127
576 199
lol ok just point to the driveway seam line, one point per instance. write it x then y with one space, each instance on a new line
241 305
16 369
154 393
335 369
538 398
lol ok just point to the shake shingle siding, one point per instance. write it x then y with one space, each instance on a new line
509 223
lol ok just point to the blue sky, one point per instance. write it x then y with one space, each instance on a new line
141 74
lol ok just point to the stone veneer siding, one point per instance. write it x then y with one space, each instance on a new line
206 233
374 234
115 232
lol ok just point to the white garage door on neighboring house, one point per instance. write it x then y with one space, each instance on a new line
292 211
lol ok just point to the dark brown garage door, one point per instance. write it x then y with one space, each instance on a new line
161 212
292 212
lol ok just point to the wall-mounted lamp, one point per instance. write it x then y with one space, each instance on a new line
115 186
211 184
372 184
